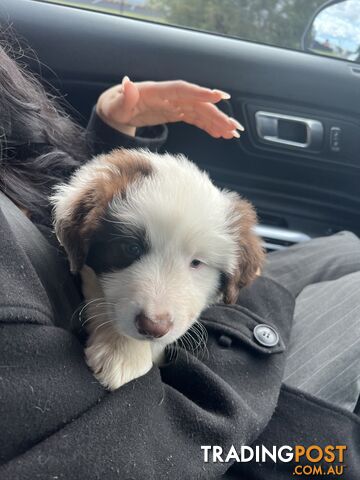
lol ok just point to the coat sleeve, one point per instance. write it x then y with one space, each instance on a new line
58 422
102 138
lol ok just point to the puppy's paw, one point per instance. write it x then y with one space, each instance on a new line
118 361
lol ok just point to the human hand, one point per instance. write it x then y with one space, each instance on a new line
136 104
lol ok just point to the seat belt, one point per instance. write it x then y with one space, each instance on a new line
48 261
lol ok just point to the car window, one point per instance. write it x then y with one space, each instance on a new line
283 23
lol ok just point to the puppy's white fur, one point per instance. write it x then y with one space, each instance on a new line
184 217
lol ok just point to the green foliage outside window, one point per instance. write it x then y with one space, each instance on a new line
276 22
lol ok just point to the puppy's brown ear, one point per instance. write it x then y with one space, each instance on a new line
250 256
76 218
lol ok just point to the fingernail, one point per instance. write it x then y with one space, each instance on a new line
125 79
237 124
224 95
236 134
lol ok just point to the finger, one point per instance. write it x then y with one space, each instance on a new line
210 127
121 105
229 136
215 115
185 91
130 95
205 125
237 124
210 115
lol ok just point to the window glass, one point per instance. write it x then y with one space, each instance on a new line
283 23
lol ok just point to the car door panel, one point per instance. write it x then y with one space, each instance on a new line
315 191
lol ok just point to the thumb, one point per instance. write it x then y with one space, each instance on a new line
120 107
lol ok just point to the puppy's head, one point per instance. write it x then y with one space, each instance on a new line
163 241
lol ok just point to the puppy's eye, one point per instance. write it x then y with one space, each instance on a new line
133 250
196 263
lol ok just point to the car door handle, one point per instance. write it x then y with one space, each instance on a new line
289 130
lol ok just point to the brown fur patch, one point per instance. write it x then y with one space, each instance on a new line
251 255
93 199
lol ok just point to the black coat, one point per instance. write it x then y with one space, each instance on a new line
57 422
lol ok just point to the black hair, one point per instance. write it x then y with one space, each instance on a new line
40 145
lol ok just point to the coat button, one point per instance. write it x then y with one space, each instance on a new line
225 341
266 335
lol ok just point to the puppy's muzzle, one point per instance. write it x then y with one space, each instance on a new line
155 327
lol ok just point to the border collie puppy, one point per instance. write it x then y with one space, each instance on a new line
155 243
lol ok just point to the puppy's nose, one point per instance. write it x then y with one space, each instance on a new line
156 327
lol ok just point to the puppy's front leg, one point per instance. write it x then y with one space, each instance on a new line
115 359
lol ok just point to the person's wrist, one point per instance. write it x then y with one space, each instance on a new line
126 129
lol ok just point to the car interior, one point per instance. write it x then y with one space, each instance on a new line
298 160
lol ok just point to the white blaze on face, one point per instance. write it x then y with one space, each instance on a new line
184 217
